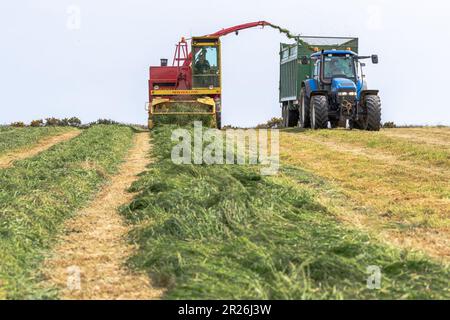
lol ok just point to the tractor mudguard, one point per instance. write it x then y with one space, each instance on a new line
310 85
365 93
319 93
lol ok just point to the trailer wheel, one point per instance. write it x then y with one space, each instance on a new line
303 111
371 119
283 115
292 118
319 112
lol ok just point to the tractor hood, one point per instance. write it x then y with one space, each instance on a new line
342 84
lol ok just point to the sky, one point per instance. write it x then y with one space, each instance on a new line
90 58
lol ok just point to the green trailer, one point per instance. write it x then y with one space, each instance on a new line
294 69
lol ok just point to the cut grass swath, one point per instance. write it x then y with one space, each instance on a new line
12 139
39 193
225 232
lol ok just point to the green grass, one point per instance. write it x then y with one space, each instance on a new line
16 138
184 120
225 232
39 193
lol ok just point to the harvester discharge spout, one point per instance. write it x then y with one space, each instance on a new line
191 89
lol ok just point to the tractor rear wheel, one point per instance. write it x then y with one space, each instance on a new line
371 120
319 112
303 111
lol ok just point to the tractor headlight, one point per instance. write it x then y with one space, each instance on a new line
344 94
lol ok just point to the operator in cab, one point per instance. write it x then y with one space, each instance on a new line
202 65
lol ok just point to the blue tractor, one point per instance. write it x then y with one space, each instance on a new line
332 89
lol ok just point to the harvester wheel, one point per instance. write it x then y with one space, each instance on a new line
303 111
371 120
319 112
218 120
151 123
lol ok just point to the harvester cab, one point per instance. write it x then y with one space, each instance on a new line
333 90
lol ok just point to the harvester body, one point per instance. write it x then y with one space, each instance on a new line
322 85
192 86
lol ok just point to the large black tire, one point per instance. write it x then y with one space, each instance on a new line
303 111
283 115
292 118
319 112
371 119
219 120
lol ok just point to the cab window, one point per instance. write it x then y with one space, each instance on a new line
206 67
339 66
206 60
316 70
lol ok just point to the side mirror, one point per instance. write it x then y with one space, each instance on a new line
305 60
375 59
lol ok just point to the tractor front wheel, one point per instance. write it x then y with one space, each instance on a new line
319 112
371 119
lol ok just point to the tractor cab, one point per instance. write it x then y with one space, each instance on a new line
338 71
206 63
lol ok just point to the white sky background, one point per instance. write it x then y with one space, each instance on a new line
101 70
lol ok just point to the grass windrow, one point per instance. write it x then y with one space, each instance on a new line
38 194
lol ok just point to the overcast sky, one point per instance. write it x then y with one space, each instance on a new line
54 64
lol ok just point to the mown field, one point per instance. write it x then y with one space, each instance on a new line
226 232
394 182
39 193
343 201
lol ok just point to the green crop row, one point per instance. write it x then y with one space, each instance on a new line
226 232
38 194
16 138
